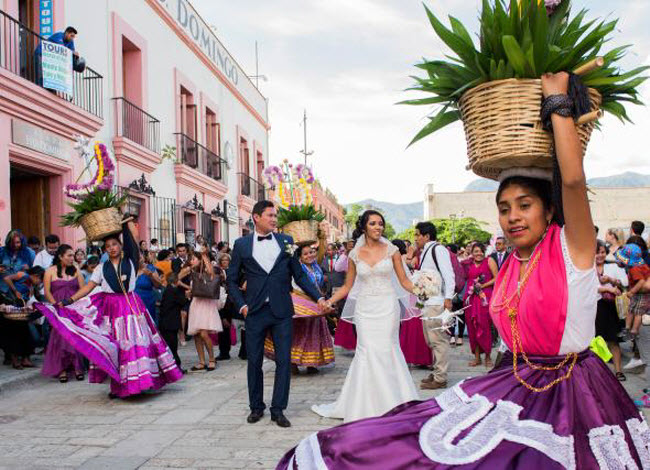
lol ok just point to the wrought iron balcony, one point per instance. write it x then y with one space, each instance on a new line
20 54
200 158
251 187
137 125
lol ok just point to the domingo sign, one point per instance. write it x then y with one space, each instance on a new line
188 19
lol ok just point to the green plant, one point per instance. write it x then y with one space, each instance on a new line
522 42
459 231
296 213
94 201
169 153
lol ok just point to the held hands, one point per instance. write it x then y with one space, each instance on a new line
555 84
244 311
448 304
325 306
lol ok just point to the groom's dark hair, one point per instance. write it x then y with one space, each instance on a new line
261 206
427 228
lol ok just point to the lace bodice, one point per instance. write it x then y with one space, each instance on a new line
377 279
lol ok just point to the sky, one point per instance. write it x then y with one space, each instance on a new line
347 62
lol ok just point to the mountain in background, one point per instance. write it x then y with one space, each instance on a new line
400 215
629 179
403 215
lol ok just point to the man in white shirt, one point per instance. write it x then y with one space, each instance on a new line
265 260
435 257
45 257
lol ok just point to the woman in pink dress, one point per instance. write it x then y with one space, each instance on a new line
481 274
61 281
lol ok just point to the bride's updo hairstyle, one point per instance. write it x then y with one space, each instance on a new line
362 223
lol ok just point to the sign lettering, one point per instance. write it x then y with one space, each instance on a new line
56 60
45 17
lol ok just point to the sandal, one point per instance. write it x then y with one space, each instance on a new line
80 376
211 367
18 366
475 363
489 364
621 377
63 379
198 368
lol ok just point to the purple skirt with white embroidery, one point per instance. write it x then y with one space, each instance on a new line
117 335
495 422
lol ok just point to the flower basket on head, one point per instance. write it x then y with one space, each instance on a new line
503 128
495 89
97 207
303 232
297 215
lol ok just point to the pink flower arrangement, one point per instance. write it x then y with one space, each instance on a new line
551 5
102 180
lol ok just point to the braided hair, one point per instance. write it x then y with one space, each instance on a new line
69 270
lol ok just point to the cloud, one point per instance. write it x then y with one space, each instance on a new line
348 61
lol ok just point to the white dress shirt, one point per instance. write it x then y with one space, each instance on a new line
43 259
265 252
446 271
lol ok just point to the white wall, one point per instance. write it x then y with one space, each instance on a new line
165 52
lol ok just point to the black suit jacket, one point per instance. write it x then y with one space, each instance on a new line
274 286
496 259
173 300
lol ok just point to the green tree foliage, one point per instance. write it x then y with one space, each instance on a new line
353 212
459 231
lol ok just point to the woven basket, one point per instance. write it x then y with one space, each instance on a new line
503 127
102 223
302 231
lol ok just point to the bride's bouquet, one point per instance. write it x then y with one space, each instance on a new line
425 286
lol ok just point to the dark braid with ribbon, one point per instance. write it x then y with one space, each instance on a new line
574 104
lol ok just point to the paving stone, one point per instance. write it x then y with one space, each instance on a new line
104 462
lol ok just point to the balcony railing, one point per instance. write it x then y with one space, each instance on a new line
20 55
251 187
200 158
137 125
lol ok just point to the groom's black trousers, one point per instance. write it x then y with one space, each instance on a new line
257 324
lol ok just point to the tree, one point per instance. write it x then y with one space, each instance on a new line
355 210
459 231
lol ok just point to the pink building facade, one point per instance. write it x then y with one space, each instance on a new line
187 129
326 202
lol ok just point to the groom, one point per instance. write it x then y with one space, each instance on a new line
264 258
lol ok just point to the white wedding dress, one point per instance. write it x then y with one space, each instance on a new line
378 379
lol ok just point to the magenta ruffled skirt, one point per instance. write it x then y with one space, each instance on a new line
494 422
117 335
413 344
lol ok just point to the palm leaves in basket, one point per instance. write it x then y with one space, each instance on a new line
94 201
522 41
296 213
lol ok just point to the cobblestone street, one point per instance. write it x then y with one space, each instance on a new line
199 422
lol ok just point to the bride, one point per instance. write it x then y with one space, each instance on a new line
378 378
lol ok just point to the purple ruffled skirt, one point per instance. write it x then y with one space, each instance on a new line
117 335
495 422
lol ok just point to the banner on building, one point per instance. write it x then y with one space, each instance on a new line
57 67
45 13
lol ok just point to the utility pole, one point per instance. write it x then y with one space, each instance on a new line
305 152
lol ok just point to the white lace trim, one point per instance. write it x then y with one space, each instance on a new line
641 437
610 448
308 456
460 412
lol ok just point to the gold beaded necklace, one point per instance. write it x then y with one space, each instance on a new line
512 309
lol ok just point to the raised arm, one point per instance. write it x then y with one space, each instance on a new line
403 279
578 224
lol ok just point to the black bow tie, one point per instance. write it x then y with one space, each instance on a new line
268 237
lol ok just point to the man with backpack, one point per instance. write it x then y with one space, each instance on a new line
435 257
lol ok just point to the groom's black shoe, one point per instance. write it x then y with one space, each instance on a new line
254 417
281 420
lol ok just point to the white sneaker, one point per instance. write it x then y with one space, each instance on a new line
452 341
634 362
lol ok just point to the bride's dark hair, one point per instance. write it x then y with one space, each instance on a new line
69 270
362 223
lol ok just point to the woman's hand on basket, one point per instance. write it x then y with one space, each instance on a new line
555 84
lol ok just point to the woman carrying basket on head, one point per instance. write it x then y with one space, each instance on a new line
551 403
113 328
